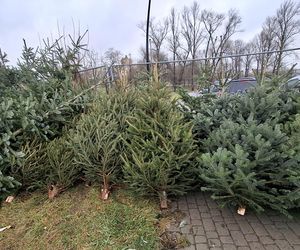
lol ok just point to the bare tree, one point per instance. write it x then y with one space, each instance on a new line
91 59
249 48
287 26
111 56
219 28
237 48
157 33
265 42
192 31
174 39
212 22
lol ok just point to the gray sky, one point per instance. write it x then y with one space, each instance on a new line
111 23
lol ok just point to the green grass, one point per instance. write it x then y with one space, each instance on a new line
78 219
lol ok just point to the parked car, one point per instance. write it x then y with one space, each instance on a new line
195 94
293 83
213 89
241 85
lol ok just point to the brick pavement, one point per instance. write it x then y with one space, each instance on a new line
206 226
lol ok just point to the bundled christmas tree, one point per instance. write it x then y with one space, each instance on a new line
158 159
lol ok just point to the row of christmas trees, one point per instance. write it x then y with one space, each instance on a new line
139 137
243 149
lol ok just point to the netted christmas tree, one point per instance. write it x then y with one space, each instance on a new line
158 159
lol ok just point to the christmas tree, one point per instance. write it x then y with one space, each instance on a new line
250 147
95 145
159 146
61 169
249 165
97 139
8 185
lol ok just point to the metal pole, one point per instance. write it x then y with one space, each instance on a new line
150 52
147 37
174 75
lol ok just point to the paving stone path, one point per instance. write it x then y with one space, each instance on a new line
206 226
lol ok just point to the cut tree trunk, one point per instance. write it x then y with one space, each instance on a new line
104 193
53 191
163 200
241 210
105 190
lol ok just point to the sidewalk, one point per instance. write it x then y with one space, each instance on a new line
209 227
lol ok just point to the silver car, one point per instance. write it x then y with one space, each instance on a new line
293 83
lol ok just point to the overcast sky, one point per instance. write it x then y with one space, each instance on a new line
111 23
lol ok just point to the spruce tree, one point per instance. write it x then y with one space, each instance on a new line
8 185
248 165
61 169
250 147
97 139
96 150
159 146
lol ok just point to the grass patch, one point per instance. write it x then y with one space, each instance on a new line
78 219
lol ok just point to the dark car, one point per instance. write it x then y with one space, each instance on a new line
292 84
241 85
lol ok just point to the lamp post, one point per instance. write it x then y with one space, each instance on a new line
147 37
150 50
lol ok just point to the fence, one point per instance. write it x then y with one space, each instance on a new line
204 71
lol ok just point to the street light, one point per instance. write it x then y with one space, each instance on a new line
150 45
147 37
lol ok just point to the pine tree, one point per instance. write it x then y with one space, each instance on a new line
96 150
248 165
62 170
97 141
160 146
250 145
264 105
31 171
8 185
